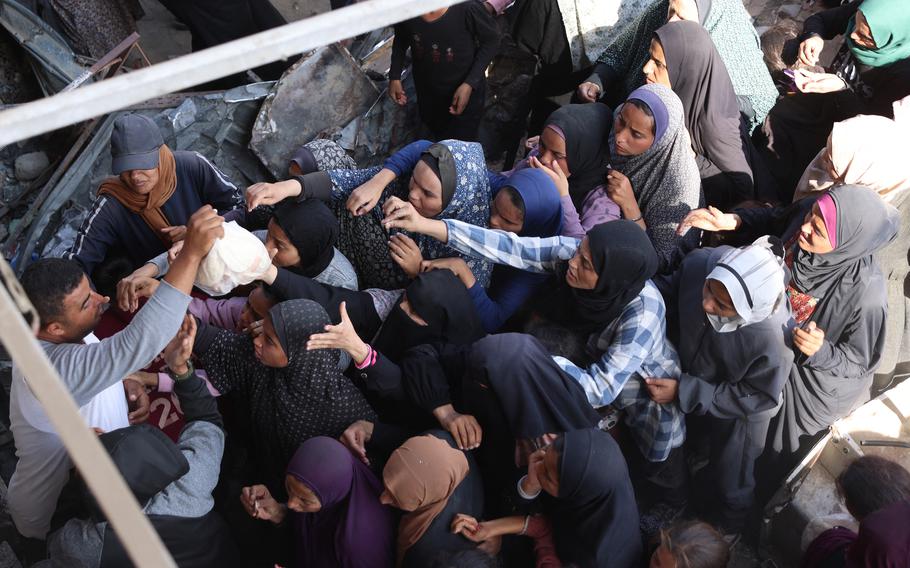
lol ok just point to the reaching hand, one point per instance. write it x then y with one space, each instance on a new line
457 265
662 391
255 328
137 401
132 288
400 214
589 92
809 82
463 427
356 438
406 253
342 336
258 503
808 340
271 193
554 172
535 466
810 50
174 251
470 528
203 229
460 99
396 92
180 348
710 219
619 189
176 232
363 199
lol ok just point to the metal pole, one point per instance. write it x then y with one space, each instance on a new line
64 109
132 526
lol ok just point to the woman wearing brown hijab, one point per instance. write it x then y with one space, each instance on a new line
431 481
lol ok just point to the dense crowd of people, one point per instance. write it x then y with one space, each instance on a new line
608 356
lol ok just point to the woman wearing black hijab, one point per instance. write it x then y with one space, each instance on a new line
377 327
515 399
589 499
576 136
607 314
684 58
292 393
303 236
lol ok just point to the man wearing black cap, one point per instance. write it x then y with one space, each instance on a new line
143 211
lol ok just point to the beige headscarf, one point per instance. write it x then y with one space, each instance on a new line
420 476
867 150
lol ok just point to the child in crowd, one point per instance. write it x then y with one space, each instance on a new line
450 51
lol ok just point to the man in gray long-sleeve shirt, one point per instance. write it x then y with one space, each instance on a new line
69 311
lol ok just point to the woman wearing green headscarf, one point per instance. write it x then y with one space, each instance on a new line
869 73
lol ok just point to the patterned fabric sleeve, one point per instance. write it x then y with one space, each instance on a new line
344 182
526 253
229 361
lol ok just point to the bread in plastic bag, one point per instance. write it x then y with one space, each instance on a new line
237 258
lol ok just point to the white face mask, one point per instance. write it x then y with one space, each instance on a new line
725 324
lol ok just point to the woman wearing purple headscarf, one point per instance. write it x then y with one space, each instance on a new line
334 499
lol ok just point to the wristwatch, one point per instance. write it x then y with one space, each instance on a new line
190 371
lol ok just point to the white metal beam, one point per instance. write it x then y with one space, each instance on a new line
64 109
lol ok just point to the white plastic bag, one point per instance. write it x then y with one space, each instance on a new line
237 258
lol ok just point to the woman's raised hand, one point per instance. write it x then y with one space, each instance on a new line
342 336
554 172
363 199
588 92
179 350
271 193
809 82
406 253
810 50
259 504
401 214
356 437
709 219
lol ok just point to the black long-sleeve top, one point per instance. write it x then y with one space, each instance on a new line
454 49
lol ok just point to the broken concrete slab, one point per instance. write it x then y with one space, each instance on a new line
323 90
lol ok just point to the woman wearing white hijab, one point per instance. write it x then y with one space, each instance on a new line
727 314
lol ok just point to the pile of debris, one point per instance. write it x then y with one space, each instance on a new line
248 132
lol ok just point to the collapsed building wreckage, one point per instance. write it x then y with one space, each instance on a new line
246 131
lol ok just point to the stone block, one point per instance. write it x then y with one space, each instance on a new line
29 166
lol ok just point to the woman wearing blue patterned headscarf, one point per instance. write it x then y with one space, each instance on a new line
448 182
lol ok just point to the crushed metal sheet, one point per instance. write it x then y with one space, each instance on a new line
384 128
54 62
326 88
